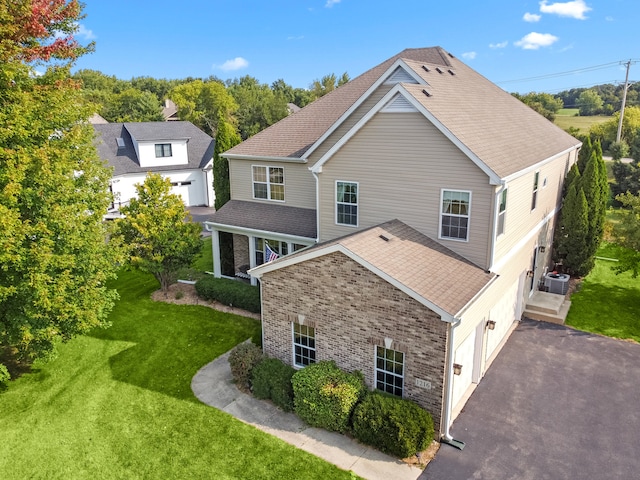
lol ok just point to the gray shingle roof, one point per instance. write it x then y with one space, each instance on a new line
199 147
300 222
502 132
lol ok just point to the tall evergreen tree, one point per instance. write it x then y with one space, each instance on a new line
571 236
585 153
595 190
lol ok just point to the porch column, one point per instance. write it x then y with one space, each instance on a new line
252 256
215 247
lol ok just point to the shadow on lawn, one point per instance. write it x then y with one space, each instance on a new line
172 342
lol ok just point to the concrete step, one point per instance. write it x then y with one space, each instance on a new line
545 302
551 317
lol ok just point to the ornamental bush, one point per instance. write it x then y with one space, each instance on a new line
392 425
5 376
324 396
271 379
229 292
242 360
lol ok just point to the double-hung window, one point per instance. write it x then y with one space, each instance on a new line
347 203
454 214
389 371
534 198
304 345
502 208
268 183
163 150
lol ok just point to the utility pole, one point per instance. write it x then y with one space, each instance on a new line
624 100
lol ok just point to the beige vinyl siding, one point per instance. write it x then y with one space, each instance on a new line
354 118
401 162
520 219
299 184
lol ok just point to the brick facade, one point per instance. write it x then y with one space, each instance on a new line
352 310
240 250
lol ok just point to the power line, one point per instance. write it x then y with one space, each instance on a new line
562 74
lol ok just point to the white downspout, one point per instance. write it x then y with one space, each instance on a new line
315 175
446 437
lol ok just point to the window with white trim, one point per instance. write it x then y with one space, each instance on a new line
534 198
304 345
454 214
280 248
502 209
389 371
163 150
268 182
347 203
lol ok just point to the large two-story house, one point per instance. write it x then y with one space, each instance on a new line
177 150
398 225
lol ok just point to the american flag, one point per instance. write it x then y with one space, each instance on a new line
269 254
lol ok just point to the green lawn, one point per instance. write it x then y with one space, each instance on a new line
607 303
118 404
581 123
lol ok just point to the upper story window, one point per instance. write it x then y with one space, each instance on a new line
347 203
268 183
454 214
502 208
534 198
389 371
163 150
304 345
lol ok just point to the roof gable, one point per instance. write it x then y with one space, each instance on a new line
435 276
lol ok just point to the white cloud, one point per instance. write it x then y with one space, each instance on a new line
609 19
498 45
531 17
534 40
469 55
85 32
574 9
235 64
331 3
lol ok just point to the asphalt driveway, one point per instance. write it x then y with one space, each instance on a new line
556 404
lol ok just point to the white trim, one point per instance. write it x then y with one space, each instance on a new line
357 204
263 158
399 104
293 346
283 237
494 179
268 183
539 165
501 192
376 369
390 80
523 241
440 214
362 98
535 190
257 272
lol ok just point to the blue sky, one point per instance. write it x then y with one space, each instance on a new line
508 41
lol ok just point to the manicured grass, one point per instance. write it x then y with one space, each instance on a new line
118 404
581 123
607 303
568 112
204 262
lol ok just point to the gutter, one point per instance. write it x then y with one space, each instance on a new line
448 393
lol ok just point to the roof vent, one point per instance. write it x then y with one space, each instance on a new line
386 239
120 142
451 72
425 68
400 75
424 90
439 70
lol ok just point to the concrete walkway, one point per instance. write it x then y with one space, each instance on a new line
213 385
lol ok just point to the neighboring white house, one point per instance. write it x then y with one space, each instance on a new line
177 150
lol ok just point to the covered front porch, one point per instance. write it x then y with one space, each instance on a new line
261 232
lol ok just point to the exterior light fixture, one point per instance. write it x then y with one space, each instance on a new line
530 273
542 248
457 369
491 324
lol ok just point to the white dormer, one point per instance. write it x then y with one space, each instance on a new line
161 152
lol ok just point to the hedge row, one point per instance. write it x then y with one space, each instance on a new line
229 292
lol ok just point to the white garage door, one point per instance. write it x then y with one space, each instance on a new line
190 192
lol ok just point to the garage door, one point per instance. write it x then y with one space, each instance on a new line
189 192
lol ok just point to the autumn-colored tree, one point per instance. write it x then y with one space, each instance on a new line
158 231
55 258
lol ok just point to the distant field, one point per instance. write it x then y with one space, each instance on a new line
566 118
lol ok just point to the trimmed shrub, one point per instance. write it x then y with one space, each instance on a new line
229 292
5 376
324 396
242 360
271 379
392 425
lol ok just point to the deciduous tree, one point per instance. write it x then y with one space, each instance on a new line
627 234
203 103
158 231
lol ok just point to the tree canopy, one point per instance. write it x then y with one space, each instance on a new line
55 258
543 103
158 231
627 234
